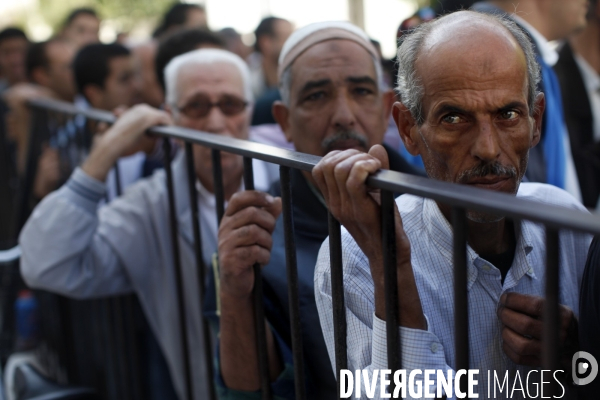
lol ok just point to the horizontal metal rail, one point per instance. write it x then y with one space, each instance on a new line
461 196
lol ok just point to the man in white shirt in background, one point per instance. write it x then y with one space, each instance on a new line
73 248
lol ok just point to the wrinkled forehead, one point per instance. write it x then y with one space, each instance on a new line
335 59
213 79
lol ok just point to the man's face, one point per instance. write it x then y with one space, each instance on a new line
150 91
60 71
120 87
213 83
83 30
567 16
12 59
335 100
477 129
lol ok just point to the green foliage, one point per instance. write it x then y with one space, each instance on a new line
126 13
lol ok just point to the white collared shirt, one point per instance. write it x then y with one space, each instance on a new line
431 243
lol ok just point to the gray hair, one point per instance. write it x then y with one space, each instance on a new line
410 88
203 57
285 83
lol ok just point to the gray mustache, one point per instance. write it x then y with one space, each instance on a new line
329 143
487 169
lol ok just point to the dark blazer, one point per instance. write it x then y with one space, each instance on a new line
580 123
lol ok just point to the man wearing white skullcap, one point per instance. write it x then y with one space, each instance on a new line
333 98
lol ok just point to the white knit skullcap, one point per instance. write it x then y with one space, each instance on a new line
305 37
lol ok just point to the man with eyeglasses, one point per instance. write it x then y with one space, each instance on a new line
72 247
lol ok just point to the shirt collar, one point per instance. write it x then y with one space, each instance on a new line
547 51
590 76
440 232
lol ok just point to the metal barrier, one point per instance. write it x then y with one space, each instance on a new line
460 198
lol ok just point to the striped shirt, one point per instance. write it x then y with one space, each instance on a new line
430 236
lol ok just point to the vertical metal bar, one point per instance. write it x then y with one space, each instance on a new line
259 310
218 184
337 294
551 322
39 122
461 305
292 278
388 236
191 173
178 273
118 187
118 330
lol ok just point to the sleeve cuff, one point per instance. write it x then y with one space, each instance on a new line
421 349
84 190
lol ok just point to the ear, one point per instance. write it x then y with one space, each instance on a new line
388 100
281 114
538 114
407 127
94 95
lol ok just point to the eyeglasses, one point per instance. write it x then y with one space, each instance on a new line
200 106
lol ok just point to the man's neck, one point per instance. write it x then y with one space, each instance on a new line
587 44
486 238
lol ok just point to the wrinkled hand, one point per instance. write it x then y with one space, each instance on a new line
522 326
341 177
48 173
245 239
125 137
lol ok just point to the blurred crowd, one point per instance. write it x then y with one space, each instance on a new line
193 77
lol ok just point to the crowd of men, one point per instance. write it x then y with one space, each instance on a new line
480 97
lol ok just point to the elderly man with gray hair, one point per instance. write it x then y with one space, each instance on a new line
72 247
470 108
333 98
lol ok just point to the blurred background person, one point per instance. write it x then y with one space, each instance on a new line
271 34
234 43
81 27
578 70
183 41
551 161
105 76
106 80
182 15
150 90
13 49
49 64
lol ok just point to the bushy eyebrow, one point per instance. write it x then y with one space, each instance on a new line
314 84
361 79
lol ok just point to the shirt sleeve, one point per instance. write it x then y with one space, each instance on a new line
366 334
62 250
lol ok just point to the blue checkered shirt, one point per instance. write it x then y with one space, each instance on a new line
430 236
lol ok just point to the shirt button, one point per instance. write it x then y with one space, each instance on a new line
486 267
530 271
434 347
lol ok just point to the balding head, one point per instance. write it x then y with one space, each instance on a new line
479 41
469 104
